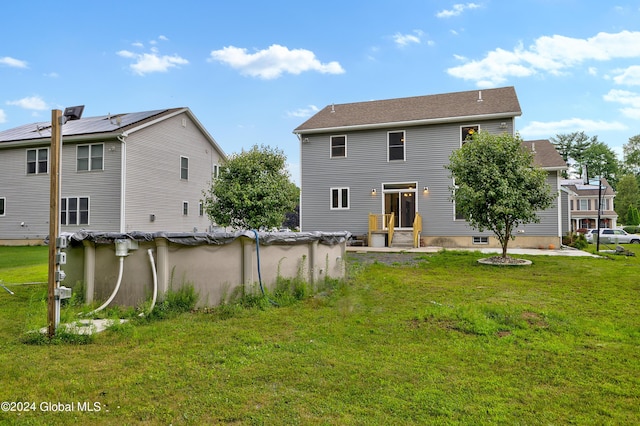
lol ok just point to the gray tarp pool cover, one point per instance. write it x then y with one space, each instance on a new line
218 238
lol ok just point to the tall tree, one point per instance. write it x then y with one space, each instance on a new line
252 191
572 147
497 186
601 161
631 152
627 195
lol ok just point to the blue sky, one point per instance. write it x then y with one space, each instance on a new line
252 71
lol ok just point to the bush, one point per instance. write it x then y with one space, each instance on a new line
632 229
575 240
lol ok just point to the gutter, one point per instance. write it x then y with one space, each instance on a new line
407 123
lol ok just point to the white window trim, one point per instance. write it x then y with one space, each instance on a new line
26 163
200 208
186 158
185 204
480 239
89 162
66 223
331 146
216 170
453 203
404 145
340 206
466 125
3 212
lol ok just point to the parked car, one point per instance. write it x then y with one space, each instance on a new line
589 234
613 236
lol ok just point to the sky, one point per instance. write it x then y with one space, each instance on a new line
252 71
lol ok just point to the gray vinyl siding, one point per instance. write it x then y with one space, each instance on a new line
366 167
27 196
153 176
101 186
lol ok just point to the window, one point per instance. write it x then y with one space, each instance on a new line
339 198
90 157
396 146
480 240
467 132
3 202
37 161
584 205
216 171
338 146
185 208
74 211
184 168
201 208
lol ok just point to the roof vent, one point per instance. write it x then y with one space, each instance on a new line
333 108
479 95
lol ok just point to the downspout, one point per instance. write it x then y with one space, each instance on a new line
123 182
300 196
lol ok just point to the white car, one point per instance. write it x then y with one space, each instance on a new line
613 236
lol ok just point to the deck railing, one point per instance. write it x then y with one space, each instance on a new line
417 230
381 223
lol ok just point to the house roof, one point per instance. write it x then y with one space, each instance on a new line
579 189
545 154
430 109
108 126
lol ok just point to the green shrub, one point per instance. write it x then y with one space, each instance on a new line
175 302
575 240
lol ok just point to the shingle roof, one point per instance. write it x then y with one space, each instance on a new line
545 154
582 190
500 102
112 123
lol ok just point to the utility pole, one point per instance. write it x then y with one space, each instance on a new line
54 217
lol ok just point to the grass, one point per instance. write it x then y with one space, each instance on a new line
427 339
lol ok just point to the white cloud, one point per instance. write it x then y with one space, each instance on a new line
303 112
631 101
403 40
272 62
33 102
551 54
152 62
12 62
550 128
629 76
3 116
457 10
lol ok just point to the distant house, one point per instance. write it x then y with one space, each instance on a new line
141 171
367 162
582 202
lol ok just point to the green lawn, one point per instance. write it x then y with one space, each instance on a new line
429 339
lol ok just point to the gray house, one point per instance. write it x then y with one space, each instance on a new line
377 169
141 171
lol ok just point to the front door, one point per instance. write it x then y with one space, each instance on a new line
400 199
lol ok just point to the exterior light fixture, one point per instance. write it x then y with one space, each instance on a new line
426 189
373 191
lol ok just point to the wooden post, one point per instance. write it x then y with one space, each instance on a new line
54 215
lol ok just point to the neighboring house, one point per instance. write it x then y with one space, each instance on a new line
388 156
583 204
143 171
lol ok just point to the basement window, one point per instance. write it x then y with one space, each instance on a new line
480 240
